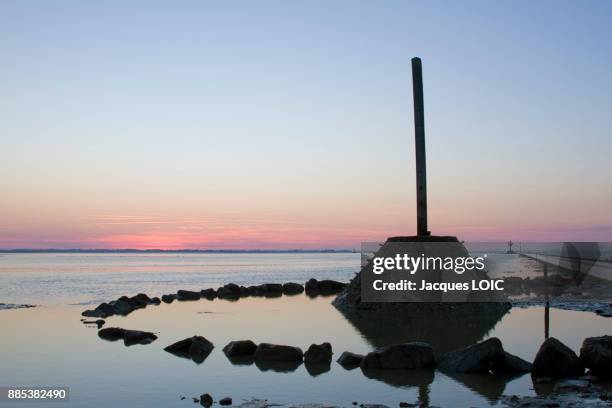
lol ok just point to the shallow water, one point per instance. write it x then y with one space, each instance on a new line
49 345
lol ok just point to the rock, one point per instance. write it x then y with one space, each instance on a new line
318 354
248 291
111 333
407 405
168 298
186 295
100 323
106 309
324 287
231 291
209 294
93 313
350 360
507 363
240 348
476 358
139 301
206 400
400 356
196 348
225 401
122 307
312 287
274 352
155 301
131 337
292 288
331 287
556 360
596 354
270 289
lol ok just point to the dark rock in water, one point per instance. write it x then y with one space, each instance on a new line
292 288
209 293
93 313
270 289
596 354
131 337
400 356
122 307
102 310
106 309
324 287
477 358
275 352
404 404
183 295
155 301
318 354
111 333
350 360
231 291
206 400
168 298
507 363
240 348
140 300
197 348
225 401
556 360
331 287
248 291
312 287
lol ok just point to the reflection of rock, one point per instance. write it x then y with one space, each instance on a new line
315 369
555 360
387 323
400 356
596 354
402 378
490 386
197 348
277 366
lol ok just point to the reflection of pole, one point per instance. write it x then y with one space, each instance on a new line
424 395
547 304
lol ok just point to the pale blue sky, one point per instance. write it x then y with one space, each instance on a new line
300 113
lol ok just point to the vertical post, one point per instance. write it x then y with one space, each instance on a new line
419 142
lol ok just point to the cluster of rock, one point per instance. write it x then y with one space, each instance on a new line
129 337
206 400
122 306
126 305
232 291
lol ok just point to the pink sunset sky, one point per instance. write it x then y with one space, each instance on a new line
289 125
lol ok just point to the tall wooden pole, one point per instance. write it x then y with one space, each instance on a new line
419 141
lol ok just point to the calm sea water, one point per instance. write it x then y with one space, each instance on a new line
49 345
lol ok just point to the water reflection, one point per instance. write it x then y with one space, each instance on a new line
445 326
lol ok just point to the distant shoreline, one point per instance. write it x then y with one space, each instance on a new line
180 251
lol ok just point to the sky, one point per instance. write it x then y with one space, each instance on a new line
289 124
